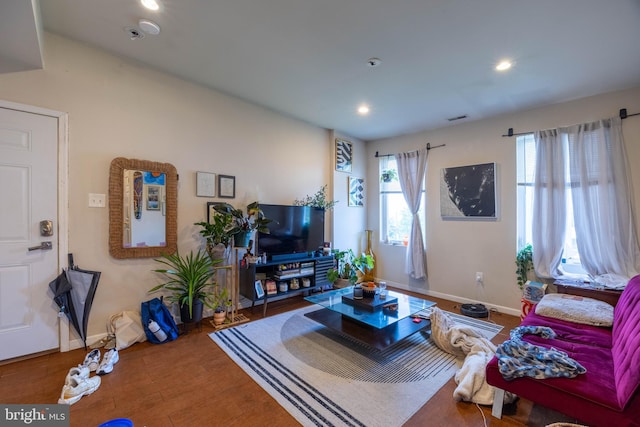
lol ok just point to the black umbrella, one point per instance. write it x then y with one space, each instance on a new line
73 291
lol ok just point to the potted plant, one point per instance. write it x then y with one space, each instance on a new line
524 265
188 280
217 236
348 268
318 200
220 304
242 225
389 175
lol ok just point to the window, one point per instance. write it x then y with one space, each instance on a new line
395 217
526 164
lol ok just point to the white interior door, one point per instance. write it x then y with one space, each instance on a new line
28 195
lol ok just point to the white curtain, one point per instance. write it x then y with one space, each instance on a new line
412 167
598 176
549 204
602 198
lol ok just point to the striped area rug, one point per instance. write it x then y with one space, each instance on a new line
324 379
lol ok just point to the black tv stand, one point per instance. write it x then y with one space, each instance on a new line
310 271
291 257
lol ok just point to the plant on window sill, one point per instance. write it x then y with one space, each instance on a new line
524 264
389 175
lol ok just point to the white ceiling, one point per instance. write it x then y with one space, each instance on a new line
308 58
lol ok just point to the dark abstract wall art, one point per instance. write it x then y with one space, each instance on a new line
344 155
468 192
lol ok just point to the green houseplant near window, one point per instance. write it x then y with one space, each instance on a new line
524 265
189 280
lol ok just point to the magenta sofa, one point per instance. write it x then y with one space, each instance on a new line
608 394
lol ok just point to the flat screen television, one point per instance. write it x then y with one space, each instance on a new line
293 230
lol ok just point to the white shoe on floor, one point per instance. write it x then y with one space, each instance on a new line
78 387
92 360
110 358
77 371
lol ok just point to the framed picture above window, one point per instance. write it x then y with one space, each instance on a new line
226 186
356 192
344 155
468 192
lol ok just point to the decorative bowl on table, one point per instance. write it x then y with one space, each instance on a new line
369 289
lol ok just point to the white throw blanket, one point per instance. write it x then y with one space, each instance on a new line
475 348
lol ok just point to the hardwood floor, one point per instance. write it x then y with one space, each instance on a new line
191 382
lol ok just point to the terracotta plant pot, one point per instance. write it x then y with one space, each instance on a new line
219 317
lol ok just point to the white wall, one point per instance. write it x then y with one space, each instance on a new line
456 250
119 109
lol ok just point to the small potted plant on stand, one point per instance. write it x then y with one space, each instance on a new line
243 225
217 235
220 304
188 280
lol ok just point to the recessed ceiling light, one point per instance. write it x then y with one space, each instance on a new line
150 4
503 65
363 110
149 27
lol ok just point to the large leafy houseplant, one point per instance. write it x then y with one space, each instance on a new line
217 236
349 266
254 219
188 278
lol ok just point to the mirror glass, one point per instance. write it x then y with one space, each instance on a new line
142 208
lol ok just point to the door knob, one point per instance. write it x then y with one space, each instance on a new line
46 228
43 246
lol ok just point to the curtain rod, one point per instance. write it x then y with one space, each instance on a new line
429 147
623 115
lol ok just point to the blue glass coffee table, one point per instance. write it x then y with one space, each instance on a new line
368 321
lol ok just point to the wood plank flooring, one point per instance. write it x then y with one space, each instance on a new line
191 382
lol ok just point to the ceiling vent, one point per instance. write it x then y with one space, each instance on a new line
134 33
374 62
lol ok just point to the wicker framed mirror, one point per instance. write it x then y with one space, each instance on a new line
143 208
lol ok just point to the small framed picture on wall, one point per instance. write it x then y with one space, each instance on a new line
205 184
226 186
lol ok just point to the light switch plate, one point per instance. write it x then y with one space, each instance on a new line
97 200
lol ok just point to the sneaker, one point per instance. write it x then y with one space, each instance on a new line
78 371
77 388
92 360
110 358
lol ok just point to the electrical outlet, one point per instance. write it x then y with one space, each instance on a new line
97 200
479 278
